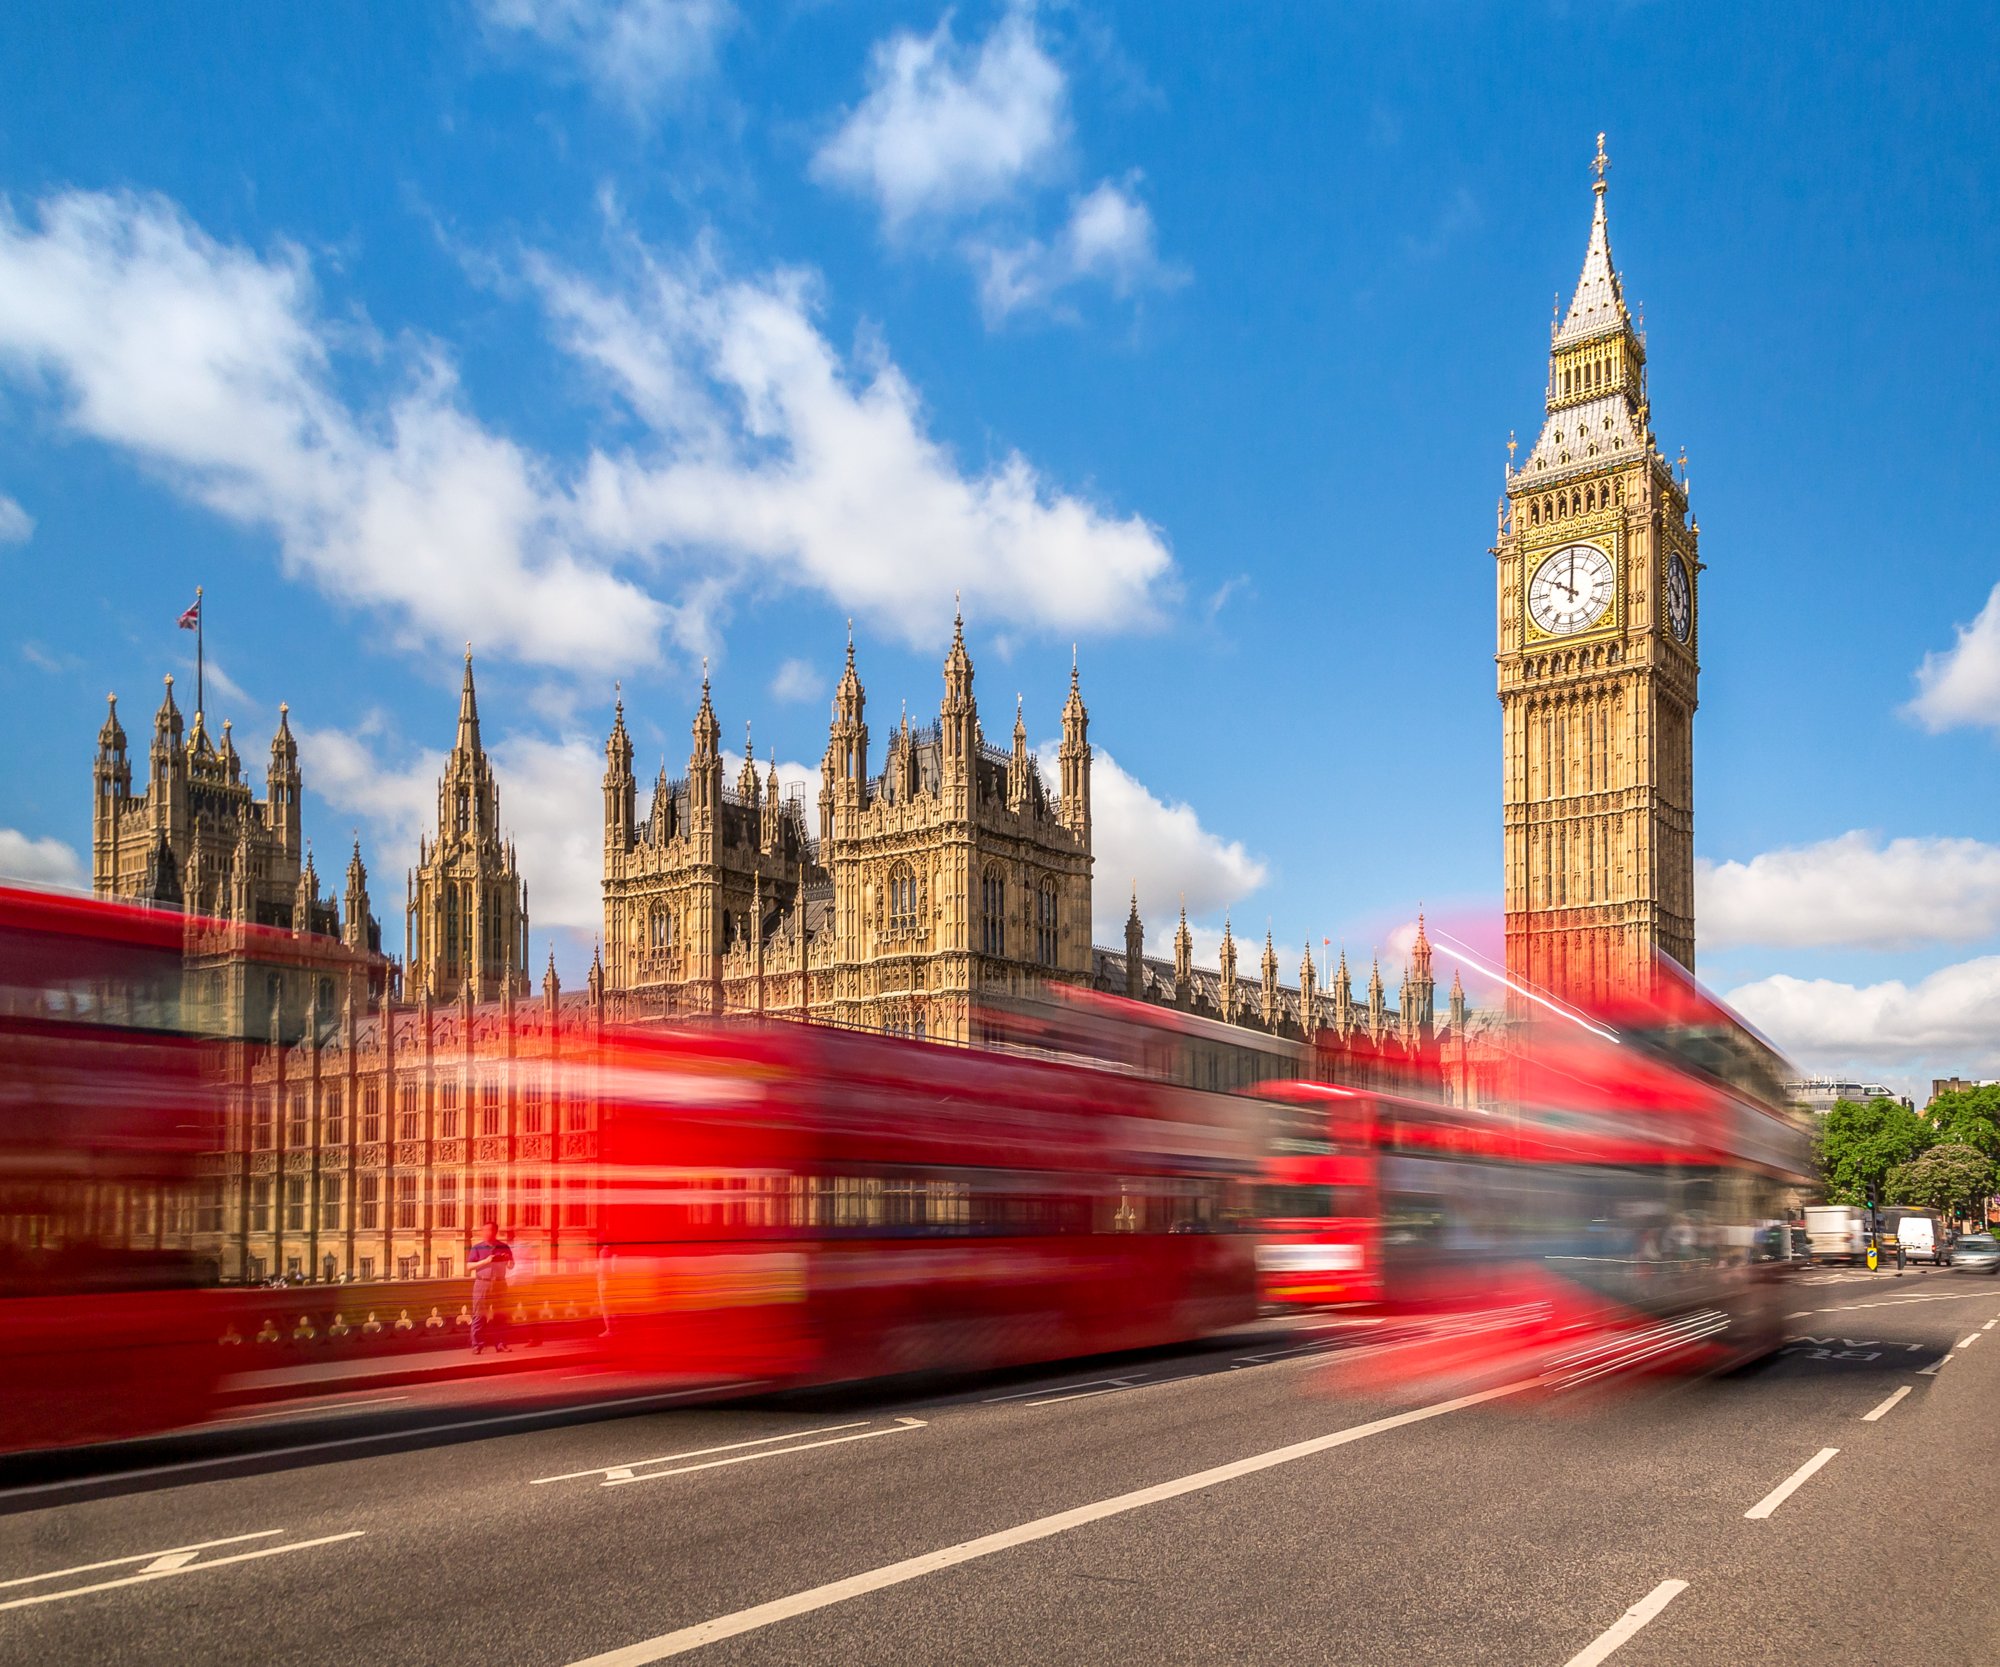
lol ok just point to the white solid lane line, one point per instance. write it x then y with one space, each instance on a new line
1063 1389
1790 1485
180 1569
914 1568
415 1432
1932 1371
627 1466
902 1426
1871 1417
1628 1623
143 1557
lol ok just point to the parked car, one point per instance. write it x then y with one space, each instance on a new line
1977 1253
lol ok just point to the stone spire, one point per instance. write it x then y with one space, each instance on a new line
773 805
746 778
1420 986
1343 996
1597 368
1183 960
467 741
1308 994
1135 950
1226 960
466 926
1457 1004
1020 767
283 784
959 722
1074 759
306 904
1377 1006
1598 306
844 773
621 787
110 789
354 930
705 762
1269 991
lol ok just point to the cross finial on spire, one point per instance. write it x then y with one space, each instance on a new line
1598 165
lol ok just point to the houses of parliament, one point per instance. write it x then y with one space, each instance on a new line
382 1107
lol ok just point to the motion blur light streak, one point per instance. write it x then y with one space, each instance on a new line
794 1205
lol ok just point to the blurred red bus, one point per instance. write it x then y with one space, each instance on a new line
1640 1205
800 1204
108 1324
1317 1201
115 1029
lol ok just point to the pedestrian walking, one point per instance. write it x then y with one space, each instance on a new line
489 1261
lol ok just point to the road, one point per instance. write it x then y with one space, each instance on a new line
1241 1503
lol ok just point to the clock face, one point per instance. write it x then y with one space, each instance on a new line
1680 605
1572 590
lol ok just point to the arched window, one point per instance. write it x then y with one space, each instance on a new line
1045 923
993 911
660 928
902 898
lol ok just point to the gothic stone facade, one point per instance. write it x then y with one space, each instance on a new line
952 874
1598 595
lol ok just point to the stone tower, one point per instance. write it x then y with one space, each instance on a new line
466 922
1597 586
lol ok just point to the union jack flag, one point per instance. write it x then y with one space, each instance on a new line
192 617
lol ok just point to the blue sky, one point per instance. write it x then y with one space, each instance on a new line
610 335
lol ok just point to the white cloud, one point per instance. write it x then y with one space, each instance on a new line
17 526
1109 238
794 462
1945 1020
631 51
798 680
212 367
947 128
1852 892
770 458
39 862
1961 684
1163 847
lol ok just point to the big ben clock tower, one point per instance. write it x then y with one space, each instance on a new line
1599 586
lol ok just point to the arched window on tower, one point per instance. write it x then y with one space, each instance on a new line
1045 923
993 911
464 810
902 898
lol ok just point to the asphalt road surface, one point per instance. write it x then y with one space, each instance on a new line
1249 1502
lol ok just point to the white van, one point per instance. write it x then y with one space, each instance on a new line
1837 1232
1923 1239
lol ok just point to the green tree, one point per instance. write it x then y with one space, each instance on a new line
1968 1117
1859 1143
1954 1180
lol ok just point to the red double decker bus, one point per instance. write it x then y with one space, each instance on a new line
108 1319
1318 1199
800 1205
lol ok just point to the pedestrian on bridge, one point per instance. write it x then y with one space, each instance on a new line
489 1261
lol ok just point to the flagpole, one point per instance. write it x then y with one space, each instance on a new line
198 706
